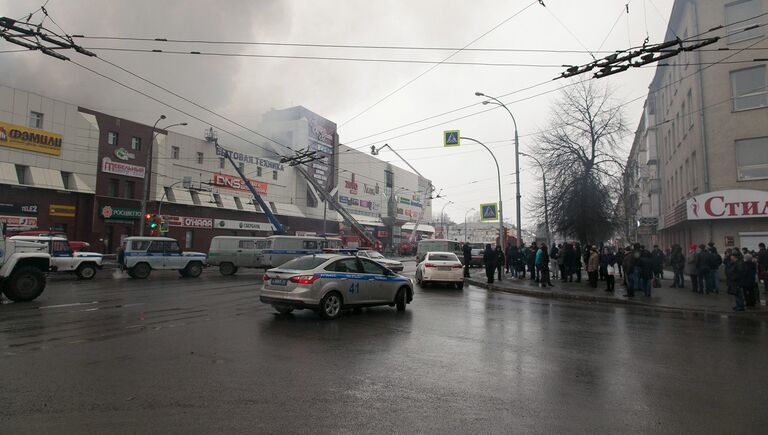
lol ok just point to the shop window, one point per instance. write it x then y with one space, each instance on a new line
749 88
130 187
752 158
113 187
175 153
112 138
21 174
188 240
135 143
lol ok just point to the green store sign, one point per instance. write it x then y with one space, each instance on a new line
109 212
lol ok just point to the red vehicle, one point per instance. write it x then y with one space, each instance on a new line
73 244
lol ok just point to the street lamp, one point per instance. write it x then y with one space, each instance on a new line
502 242
465 223
546 206
148 169
496 101
442 219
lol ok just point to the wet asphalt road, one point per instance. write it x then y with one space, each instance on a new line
171 355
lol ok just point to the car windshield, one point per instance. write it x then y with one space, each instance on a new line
443 257
304 263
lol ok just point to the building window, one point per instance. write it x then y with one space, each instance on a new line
694 180
21 174
274 175
175 153
65 177
128 192
217 200
169 195
689 100
135 143
258 171
113 187
188 239
238 203
200 158
222 163
741 11
35 119
749 88
112 138
752 158
311 199
195 197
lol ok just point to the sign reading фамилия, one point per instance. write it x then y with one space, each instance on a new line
489 212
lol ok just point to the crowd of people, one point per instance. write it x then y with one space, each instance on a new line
639 269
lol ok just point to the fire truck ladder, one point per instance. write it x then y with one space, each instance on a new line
336 205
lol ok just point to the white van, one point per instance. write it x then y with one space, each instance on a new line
284 248
438 245
233 252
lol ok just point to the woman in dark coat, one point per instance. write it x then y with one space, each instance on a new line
500 260
489 258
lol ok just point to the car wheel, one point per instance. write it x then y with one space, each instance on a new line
282 309
330 305
227 269
401 300
193 270
459 285
86 271
141 271
25 284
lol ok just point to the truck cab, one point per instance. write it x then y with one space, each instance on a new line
23 266
64 259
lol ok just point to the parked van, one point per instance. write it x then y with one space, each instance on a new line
284 248
438 245
233 252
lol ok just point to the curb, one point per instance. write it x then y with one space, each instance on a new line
547 294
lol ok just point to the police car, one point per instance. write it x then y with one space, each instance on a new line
81 263
330 283
141 255
393 265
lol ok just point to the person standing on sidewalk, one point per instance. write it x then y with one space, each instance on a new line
734 274
500 260
658 262
577 261
762 265
749 282
489 258
628 264
620 260
544 280
532 262
554 261
467 251
690 266
677 260
702 270
646 270
593 265
610 272
715 261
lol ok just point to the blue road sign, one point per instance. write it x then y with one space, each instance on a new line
489 212
451 138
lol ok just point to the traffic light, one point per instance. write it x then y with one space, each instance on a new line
154 223
147 217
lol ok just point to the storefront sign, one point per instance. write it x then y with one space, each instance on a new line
21 221
405 201
122 154
62 210
344 199
382 234
189 222
18 208
245 158
30 139
119 168
236 183
242 225
109 212
728 204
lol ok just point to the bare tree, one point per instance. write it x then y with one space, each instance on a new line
581 152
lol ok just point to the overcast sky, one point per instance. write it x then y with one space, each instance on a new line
243 88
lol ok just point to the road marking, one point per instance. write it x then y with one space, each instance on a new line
68 305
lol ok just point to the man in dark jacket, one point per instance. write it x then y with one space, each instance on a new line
715 260
567 262
500 260
762 265
749 281
677 260
703 270
489 258
620 260
629 277
467 251
576 265
658 262
646 270
734 273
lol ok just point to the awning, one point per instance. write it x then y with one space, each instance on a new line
288 210
368 220
408 226
8 173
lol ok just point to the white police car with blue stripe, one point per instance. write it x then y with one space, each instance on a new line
140 255
330 283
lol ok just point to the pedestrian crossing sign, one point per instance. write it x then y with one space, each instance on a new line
489 212
451 138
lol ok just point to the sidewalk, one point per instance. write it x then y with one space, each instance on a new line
661 298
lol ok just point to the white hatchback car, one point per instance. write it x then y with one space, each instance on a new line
443 267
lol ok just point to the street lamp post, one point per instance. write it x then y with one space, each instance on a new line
442 220
148 170
546 206
465 223
502 242
517 161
